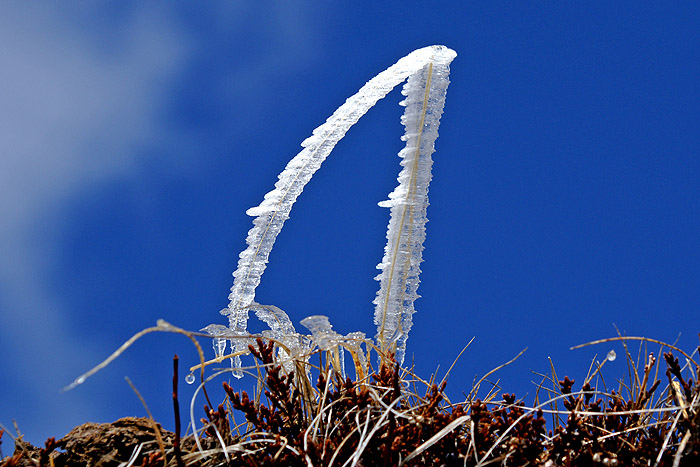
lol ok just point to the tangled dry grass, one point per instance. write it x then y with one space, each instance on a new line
384 419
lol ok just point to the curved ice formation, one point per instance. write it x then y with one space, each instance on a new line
322 330
326 338
282 330
427 72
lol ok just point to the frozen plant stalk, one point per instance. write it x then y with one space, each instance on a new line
425 99
425 91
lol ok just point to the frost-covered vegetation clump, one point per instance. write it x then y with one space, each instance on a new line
387 415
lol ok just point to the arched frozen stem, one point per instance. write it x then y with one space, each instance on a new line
427 71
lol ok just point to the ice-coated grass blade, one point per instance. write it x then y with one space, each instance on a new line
425 99
426 70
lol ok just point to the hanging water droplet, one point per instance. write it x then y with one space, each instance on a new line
189 379
611 356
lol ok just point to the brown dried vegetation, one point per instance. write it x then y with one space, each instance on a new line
380 421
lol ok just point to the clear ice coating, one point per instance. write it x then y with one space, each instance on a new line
322 330
425 99
325 337
218 342
278 321
274 210
222 334
282 330
353 341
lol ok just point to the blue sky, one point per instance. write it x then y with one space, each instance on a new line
135 135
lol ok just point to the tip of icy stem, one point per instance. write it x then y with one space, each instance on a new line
437 53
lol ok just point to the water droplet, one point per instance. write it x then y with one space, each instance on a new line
189 379
611 356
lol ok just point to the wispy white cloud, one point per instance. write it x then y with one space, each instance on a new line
73 115
81 98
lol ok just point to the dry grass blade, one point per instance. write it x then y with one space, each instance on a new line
475 390
154 425
454 362
162 326
436 437
631 338
364 441
681 448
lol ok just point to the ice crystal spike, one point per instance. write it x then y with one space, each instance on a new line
274 210
219 342
239 343
425 99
